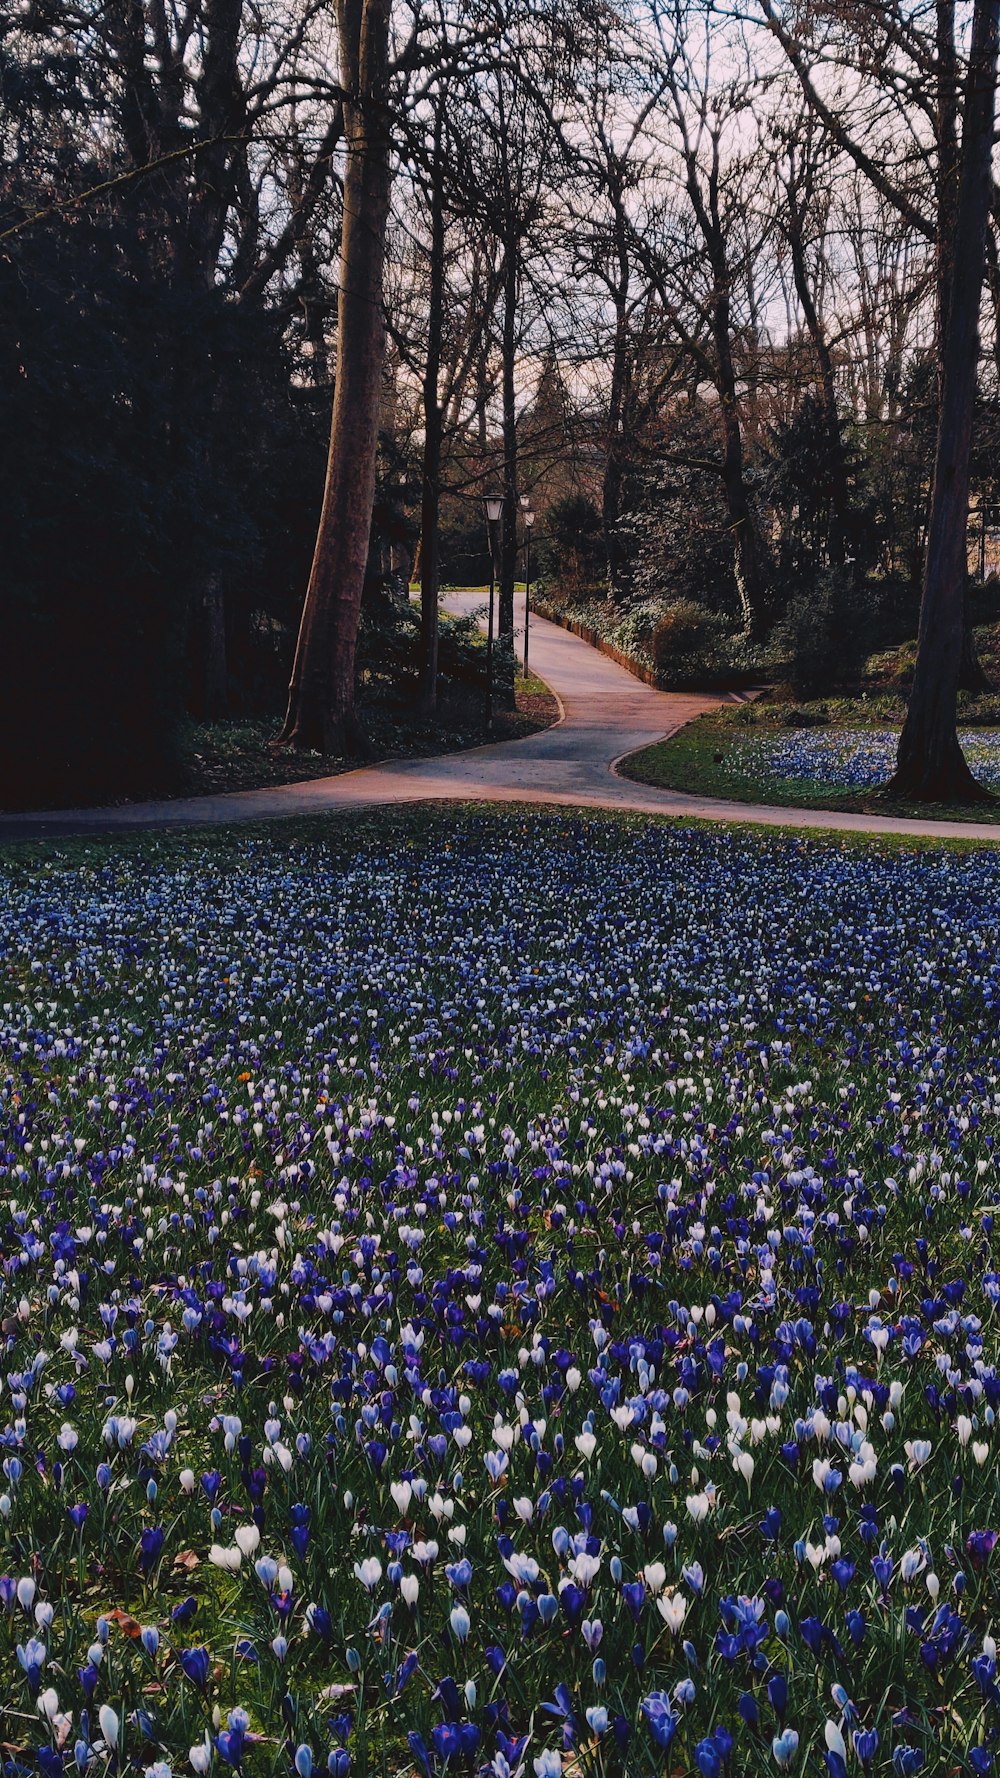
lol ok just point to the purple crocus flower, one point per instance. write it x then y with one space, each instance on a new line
150 1546
662 1719
195 1663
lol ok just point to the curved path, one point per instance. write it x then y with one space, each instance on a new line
606 713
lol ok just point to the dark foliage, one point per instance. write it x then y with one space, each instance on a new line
148 441
572 548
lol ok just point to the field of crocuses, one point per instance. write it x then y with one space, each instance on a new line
859 759
502 1295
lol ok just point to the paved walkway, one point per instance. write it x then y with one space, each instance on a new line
606 713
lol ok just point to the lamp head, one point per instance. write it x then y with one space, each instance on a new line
494 507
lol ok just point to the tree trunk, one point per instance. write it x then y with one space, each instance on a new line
748 559
614 466
947 183
430 553
216 675
508 525
482 394
321 699
930 765
837 539
971 676
747 566
614 458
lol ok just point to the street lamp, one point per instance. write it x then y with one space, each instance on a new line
494 507
529 519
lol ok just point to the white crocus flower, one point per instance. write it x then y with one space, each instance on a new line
673 1610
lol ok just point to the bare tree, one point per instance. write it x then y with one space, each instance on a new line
698 252
321 710
930 764
803 222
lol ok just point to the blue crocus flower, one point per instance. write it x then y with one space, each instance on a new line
784 1747
195 1663
88 1677
661 1717
907 1761
634 1595
418 1748
150 1545
777 1693
708 1759
32 1656
455 1740
299 1517
229 1746
865 1745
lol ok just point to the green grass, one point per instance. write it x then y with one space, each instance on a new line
717 756
342 832
546 1043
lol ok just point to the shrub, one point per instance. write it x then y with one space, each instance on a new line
689 644
571 549
806 718
825 635
684 628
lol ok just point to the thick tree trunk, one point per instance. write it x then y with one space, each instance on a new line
321 700
430 505
947 183
508 524
930 765
971 676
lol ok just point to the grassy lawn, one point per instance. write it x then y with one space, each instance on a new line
725 755
478 1274
804 753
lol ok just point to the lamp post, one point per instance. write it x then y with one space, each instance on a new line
494 507
529 519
